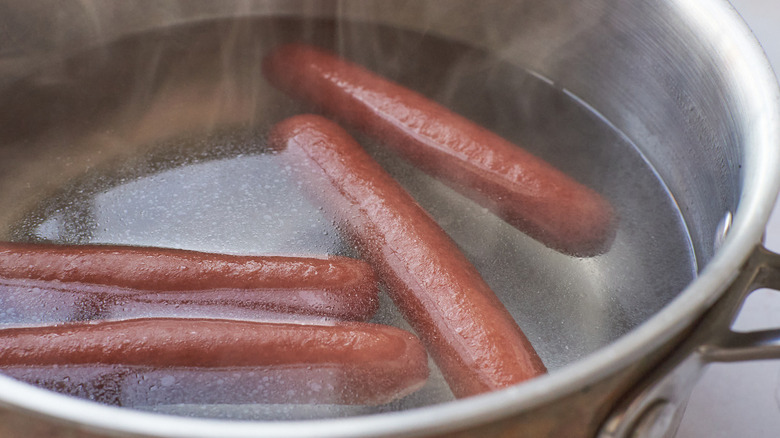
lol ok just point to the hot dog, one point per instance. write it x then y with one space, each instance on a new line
337 287
343 363
524 190
467 330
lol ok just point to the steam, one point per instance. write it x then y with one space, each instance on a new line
169 125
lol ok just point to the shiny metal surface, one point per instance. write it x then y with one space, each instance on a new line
683 80
656 405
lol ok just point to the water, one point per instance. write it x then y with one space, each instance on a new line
159 140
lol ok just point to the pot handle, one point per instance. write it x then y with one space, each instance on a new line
654 408
732 346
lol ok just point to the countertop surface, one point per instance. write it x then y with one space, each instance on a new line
743 400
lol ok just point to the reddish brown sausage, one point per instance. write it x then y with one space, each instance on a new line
522 189
338 287
467 330
347 362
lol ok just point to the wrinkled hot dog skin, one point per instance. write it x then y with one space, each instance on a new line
337 287
524 190
467 330
365 363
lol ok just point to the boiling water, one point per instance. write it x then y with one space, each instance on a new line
159 140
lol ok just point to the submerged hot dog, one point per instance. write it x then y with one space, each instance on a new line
344 363
524 190
333 286
467 330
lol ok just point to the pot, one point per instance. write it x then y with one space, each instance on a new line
685 83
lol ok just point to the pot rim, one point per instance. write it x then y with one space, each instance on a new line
720 24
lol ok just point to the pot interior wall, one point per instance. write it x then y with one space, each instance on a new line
146 126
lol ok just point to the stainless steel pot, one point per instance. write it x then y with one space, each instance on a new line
685 81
